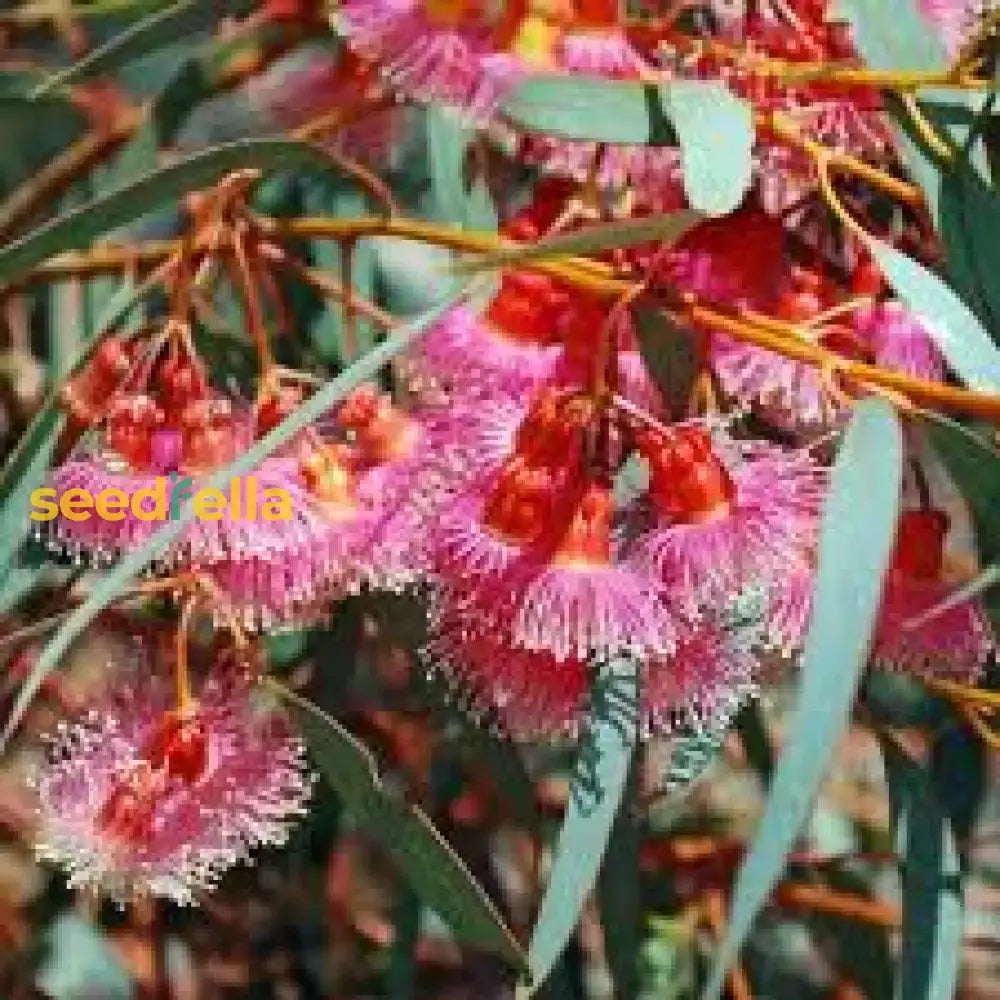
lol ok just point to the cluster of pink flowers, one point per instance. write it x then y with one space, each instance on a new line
502 488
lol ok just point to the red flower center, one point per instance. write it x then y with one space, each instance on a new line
920 544
588 540
527 308
177 750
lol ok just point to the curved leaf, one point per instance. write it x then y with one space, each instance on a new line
930 961
856 541
593 109
599 781
436 873
173 23
666 228
77 229
949 321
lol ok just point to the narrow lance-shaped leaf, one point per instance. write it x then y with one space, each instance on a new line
666 228
599 781
930 961
856 540
114 582
949 321
77 229
173 23
436 873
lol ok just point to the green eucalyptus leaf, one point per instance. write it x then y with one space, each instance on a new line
716 132
600 778
619 901
172 23
435 872
892 34
77 229
949 321
713 127
856 541
447 139
588 108
666 228
930 960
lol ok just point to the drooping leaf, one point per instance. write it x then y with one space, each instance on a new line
856 540
77 229
115 581
666 228
172 23
974 463
716 133
691 755
619 901
34 131
435 872
930 960
949 321
969 224
599 781
447 139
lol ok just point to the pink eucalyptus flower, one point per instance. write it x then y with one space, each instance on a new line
137 799
725 524
912 634
535 558
531 694
433 51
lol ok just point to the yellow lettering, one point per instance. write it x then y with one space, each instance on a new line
159 495
76 505
44 509
209 505
112 504
277 505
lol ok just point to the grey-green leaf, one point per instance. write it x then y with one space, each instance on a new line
666 228
592 109
438 875
77 229
892 34
856 541
599 781
930 960
949 321
716 132
170 24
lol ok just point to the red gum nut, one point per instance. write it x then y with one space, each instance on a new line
272 410
131 423
208 433
180 382
361 407
846 342
920 543
867 278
